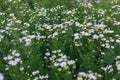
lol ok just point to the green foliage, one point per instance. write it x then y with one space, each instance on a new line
59 40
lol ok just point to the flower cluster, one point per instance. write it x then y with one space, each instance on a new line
1 76
40 77
117 62
59 59
13 58
1 37
89 76
108 68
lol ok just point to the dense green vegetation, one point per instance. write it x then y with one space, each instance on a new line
59 40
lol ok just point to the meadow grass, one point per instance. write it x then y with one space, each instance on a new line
59 40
